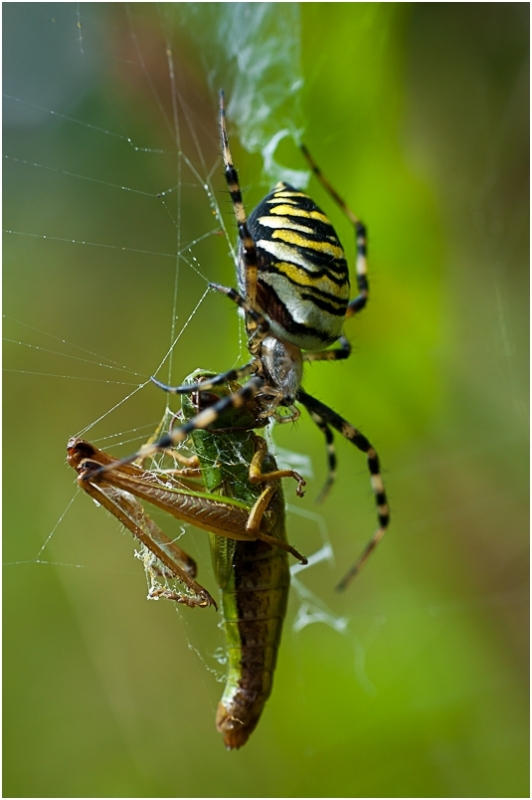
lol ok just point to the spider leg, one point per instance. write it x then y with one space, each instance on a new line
344 351
249 251
330 417
331 455
358 302
223 377
255 321
201 420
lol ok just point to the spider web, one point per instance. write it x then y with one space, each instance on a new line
143 149
117 217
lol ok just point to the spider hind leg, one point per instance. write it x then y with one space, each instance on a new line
327 417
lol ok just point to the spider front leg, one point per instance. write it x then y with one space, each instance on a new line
248 249
224 377
326 416
257 327
202 420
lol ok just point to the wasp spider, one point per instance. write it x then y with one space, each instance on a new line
293 286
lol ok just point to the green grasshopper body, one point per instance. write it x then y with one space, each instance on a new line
254 578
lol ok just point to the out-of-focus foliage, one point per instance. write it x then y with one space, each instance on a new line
418 114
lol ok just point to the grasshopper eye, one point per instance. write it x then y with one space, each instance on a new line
203 399
78 450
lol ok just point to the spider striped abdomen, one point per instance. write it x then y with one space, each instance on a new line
303 279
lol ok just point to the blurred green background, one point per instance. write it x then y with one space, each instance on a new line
419 116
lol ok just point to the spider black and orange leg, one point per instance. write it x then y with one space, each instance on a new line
200 421
329 417
248 249
338 354
224 377
331 455
357 303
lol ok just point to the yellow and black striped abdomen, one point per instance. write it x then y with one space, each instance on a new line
303 279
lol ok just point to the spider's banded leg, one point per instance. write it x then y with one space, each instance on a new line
201 420
224 377
338 354
249 251
330 417
155 435
358 302
257 476
331 455
255 322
